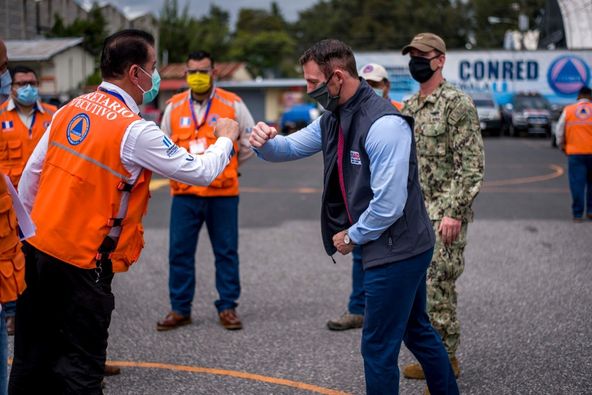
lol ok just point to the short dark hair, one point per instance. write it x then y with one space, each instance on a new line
123 49
330 53
21 69
200 55
585 92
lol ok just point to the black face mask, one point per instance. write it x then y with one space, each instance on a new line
420 68
322 96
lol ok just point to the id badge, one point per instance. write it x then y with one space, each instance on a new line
197 147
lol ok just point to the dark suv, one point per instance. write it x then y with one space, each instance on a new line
529 113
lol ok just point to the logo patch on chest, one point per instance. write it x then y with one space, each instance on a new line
354 158
7 126
185 122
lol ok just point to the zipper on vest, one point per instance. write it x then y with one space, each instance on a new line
333 259
390 242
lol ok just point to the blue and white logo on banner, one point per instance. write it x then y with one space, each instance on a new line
567 74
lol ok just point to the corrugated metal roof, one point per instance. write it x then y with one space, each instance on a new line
36 50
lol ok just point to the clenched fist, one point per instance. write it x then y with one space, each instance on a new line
226 127
261 134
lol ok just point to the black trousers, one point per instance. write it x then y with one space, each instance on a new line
62 324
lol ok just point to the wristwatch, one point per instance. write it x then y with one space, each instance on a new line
346 239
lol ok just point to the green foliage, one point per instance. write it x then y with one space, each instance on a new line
262 40
92 29
180 33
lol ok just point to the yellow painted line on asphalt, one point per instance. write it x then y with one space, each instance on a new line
557 171
231 373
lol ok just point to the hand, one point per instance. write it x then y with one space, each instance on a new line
449 230
338 242
261 133
226 127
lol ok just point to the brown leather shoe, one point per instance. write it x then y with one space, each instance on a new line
345 322
229 320
10 325
414 370
112 370
172 321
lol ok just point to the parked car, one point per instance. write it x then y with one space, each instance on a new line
528 113
488 111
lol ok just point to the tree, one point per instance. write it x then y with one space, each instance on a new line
263 40
92 29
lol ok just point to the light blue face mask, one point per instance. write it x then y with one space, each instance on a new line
5 82
378 91
27 95
149 95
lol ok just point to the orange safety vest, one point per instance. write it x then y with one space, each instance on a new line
17 141
397 104
12 260
185 132
578 128
83 183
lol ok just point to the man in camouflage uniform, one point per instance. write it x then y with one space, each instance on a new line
451 158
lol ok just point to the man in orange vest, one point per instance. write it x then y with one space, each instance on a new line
574 136
377 77
188 119
12 260
101 154
23 119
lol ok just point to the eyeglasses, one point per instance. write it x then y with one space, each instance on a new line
200 71
20 84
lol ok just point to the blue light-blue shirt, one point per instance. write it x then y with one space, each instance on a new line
388 145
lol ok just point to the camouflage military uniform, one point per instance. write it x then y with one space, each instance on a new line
450 156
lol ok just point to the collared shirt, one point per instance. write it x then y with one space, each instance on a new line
560 127
243 117
143 145
27 119
388 145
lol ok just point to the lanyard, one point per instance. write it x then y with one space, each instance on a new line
33 122
117 95
205 118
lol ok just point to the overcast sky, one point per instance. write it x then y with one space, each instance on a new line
198 8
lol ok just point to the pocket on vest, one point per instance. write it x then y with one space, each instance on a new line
15 149
7 216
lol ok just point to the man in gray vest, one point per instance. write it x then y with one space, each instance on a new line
372 198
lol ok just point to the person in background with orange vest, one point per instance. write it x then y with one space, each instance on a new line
574 136
188 119
101 154
23 120
12 260
377 77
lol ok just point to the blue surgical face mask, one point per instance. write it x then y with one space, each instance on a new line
27 95
149 95
378 91
5 83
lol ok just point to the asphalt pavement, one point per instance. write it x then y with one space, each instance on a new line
525 300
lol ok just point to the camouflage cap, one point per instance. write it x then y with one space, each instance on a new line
426 42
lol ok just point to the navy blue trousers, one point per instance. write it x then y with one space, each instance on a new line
220 214
396 312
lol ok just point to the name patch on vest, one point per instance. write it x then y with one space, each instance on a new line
354 158
78 128
101 105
